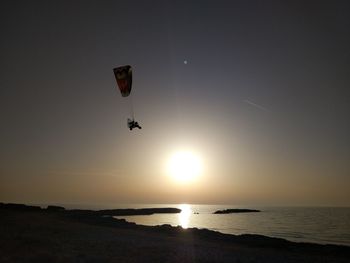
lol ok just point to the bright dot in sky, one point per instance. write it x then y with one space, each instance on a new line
185 62
184 166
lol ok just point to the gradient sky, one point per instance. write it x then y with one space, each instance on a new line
263 99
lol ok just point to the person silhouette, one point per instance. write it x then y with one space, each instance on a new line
133 124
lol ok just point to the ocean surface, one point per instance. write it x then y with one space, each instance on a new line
324 225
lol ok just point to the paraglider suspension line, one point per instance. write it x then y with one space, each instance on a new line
131 108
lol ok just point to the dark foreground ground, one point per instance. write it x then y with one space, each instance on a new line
83 236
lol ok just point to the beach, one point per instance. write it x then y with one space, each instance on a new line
41 235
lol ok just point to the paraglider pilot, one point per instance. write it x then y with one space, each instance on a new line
133 124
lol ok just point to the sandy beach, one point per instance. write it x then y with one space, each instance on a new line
83 236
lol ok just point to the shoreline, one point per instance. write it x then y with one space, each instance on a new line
28 234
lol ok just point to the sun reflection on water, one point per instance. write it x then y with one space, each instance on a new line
184 215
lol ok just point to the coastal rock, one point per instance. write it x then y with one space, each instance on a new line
20 207
141 211
236 210
55 208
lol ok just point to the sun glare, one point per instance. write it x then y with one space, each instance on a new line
184 216
184 166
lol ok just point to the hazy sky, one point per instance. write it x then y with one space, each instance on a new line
263 99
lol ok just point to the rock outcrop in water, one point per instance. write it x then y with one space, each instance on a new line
140 211
237 210
105 212
20 207
55 208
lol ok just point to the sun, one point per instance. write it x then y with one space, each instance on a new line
184 166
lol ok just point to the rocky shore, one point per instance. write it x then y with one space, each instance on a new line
29 234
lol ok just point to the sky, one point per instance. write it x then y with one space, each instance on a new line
257 90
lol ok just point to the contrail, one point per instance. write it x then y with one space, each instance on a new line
256 105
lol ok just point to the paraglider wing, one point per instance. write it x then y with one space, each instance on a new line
123 75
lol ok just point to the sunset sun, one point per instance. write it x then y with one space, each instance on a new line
184 166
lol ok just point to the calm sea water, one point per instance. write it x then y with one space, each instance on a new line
314 224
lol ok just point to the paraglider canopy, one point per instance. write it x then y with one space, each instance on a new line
123 75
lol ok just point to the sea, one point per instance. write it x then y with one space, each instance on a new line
322 225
